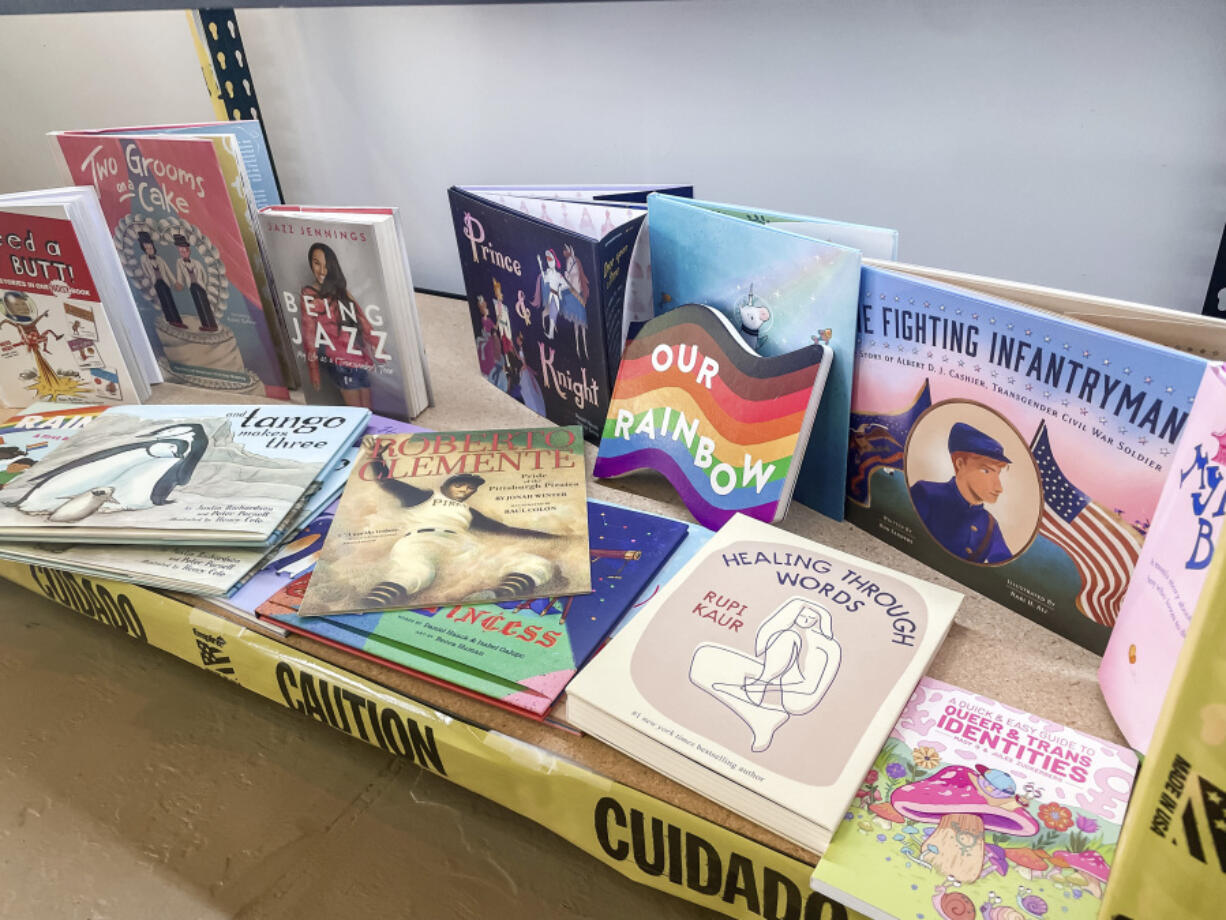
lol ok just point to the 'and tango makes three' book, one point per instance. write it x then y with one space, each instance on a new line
976 807
463 516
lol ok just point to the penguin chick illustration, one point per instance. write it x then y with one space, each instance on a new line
79 507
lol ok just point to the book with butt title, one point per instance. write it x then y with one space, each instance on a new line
451 517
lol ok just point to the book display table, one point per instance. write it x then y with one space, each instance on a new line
645 827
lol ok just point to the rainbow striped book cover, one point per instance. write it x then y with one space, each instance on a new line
724 425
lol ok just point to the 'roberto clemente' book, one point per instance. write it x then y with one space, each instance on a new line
546 282
231 474
457 517
184 225
1018 451
766 675
520 653
1170 574
975 808
726 426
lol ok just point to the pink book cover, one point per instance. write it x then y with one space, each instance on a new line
1140 658
167 203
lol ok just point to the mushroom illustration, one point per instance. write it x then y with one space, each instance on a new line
1090 865
994 860
1030 863
964 805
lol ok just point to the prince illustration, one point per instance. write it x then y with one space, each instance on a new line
954 511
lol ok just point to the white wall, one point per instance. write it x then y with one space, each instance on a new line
1076 145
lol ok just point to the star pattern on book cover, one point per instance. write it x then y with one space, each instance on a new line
1102 546
878 440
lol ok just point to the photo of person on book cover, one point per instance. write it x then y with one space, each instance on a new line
337 333
469 517
986 512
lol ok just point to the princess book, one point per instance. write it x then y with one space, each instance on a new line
725 425
195 474
545 279
973 808
1018 451
766 675
457 517
344 289
183 226
521 653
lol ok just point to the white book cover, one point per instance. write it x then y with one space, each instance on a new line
766 675
202 474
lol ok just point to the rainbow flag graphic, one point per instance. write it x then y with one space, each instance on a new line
724 425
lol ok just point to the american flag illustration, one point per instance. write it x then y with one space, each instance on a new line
1102 546
878 440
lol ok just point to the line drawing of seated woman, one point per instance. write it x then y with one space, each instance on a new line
796 658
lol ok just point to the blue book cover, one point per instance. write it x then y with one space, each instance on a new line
782 291
546 277
1019 452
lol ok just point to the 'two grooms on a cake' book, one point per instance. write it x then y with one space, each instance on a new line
454 517
766 675
229 474
726 426
183 222
974 807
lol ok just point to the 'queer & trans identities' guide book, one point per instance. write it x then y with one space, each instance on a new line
193 474
973 807
1170 573
766 675
782 290
344 289
183 222
453 517
1017 451
725 425
546 283
521 653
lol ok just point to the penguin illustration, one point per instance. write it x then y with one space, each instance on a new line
79 507
140 474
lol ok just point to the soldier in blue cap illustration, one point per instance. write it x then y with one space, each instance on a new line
953 511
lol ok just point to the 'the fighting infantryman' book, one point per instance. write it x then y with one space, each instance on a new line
454 517
766 675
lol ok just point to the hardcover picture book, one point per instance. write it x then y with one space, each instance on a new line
1170 572
766 675
546 279
973 807
27 438
782 290
181 217
724 425
344 289
520 653
210 571
453 517
1020 452
69 330
228 475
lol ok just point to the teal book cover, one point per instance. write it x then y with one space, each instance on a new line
782 291
520 653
